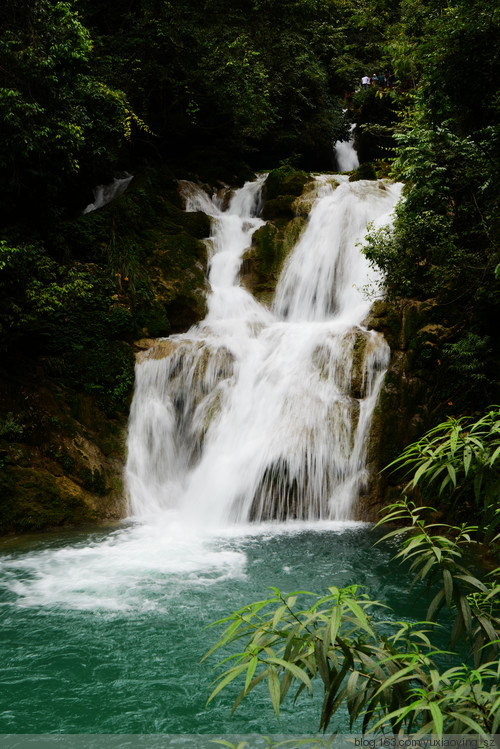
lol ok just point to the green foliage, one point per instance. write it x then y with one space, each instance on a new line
459 461
387 673
444 242
11 428
384 671
251 75
56 114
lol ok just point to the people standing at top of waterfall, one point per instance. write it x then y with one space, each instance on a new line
365 81
374 79
381 80
391 80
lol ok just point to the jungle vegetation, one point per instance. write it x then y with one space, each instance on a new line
214 90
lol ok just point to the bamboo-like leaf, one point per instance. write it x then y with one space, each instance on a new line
224 639
397 677
285 685
466 613
322 662
250 671
351 687
437 717
274 689
473 581
467 459
360 615
448 586
456 629
488 629
496 722
435 605
278 614
463 718
245 691
421 471
332 629
444 484
494 457
298 672
233 673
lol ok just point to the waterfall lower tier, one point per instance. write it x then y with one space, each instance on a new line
258 414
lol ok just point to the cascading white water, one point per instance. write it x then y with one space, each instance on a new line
104 194
254 413
345 153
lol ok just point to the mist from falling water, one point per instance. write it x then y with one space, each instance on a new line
258 413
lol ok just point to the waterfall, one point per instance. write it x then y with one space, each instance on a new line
345 153
104 194
256 413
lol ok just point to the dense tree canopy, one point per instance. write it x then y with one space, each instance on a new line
445 240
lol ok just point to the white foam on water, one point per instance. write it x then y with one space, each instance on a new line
137 568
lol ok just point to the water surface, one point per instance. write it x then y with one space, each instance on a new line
104 632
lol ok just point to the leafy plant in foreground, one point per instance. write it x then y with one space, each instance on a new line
459 459
384 671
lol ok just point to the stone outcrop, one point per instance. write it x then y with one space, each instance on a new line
62 460
413 391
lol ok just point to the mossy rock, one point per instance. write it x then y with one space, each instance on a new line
385 318
33 499
195 223
364 171
280 207
271 244
178 251
285 181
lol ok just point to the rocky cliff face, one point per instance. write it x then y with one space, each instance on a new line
413 394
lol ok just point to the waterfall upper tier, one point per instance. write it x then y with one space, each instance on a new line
258 413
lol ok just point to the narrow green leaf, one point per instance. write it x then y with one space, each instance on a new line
421 471
359 614
437 717
274 689
250 671
473 581
448 586
299 673
467 459
468 722
466 613
395 678
435 605
233 673
351 686
245 691
494 456
277 615
332 629
322 662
